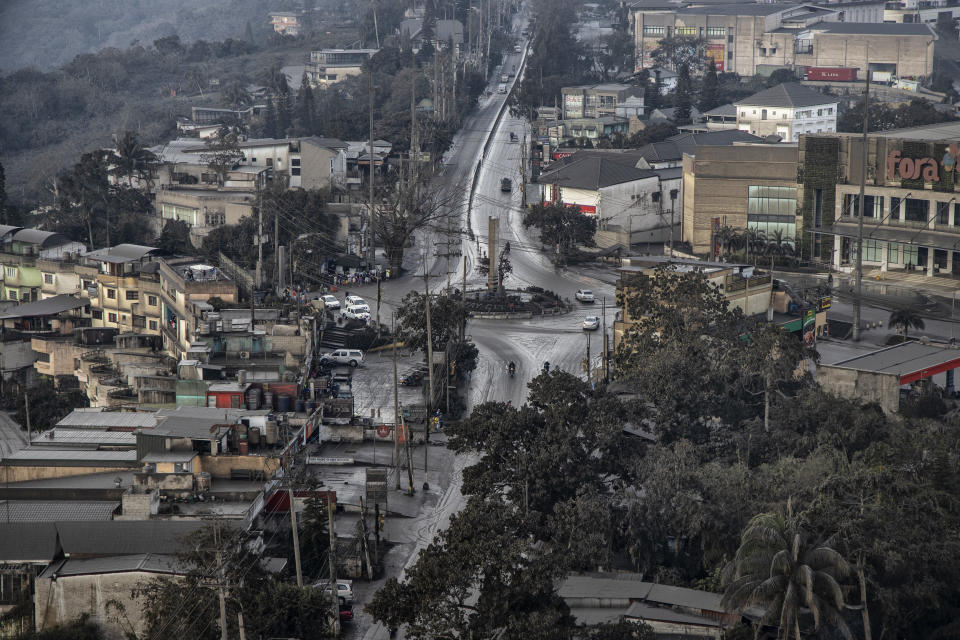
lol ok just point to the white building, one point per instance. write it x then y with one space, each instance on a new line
636 204
787 110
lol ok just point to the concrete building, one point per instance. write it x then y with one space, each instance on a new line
744 186
751 39
880 375
124 288
329 66
787 110
286 23
911 213
920 11
21 279
599 100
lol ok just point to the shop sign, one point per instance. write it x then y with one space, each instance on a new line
926 168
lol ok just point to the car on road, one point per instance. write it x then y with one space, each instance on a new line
344 589
502 88
584 295
518 49
506 185
330 302
357 312
591 323
354 300
352 357
346 613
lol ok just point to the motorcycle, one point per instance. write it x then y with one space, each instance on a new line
512 368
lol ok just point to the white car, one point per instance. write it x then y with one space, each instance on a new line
330 302
352 357
584 295
353 301
344 589
357 312
591 323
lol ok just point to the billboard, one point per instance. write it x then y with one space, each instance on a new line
716 53
572 106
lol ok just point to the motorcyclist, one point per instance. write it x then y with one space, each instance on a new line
512 368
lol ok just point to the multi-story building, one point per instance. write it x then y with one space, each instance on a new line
750 38
744 186
22 279
329 66
184 282
124 288
286 23
600 100
787 110
911 209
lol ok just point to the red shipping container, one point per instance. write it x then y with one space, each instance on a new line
834 74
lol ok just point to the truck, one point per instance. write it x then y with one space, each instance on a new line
831 74
504 77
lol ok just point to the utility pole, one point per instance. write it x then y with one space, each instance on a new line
259 234
606 347
523 172
396 402
860 207
296 536
414 144
26 406
406 439
221 587
463 297
371 234
332 561
586 363
426 431
278 273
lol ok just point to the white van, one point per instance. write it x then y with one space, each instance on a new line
502 88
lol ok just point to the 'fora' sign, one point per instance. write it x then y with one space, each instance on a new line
927 169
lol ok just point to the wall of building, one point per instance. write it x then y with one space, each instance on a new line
64 599
884 389
912 55
220 466
717 182
26 473
61 354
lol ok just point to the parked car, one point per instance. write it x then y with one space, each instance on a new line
585 295
346 613
591 323
352 357
506 185
357 312
330 302
344 590
354 300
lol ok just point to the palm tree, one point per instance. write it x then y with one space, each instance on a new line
132 159
779 569
906 318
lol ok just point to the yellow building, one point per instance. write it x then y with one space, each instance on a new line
124 288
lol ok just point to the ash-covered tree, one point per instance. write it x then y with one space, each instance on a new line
675 52
683 97
175 237
404 208
222 152
710 90
562 227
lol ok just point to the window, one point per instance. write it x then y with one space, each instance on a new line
96 314
12 295
872 250
655 196
133 295
153 325
893 252
294 162
830 111
48 278
917 210
820 112
139 322
773 51
43 357
253 159
111 317
152 301
716 32
772 209
112 294
784 115
653 30
295 171
910 255
269 162
11 272
214 219
763 51
686 31
943 213
332 77
11 585
674 193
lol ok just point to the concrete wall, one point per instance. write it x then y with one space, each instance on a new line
220 466
883 389
62 600
25 473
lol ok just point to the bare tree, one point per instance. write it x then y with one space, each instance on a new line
223 152
406 207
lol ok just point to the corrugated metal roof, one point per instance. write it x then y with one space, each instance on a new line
7 228
42 238
50 306
901 359
150 562
125 537
107 419
788 94
121 253
596 615
55 510
71 455
96 437
28 542
579 586
197 428
642 611
683 597
875 28
169 456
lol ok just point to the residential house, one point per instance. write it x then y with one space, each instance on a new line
670 152
52 318
329 66
26 549
123 287
203 116
787 110
722 117
599 100
20 249
204 209
186 281
286 23
444 34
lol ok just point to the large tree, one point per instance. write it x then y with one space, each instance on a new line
222 152
561 227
